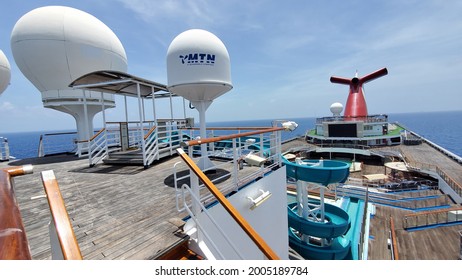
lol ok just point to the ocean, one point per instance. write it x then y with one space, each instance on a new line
442 128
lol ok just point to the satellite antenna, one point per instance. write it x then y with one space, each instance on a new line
336 108
5 72
198 69
53 46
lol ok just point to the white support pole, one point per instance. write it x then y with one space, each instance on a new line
104 123
201 106
126 109
87 137
154 105
235 163
321 194
184 108
171 106
144 114
196 205
302 205
141 113
56 251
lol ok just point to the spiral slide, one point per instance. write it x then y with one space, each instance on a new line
326 240
337 224
323 172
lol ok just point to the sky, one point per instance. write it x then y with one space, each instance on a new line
282 54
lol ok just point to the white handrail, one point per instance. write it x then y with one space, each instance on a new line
214 222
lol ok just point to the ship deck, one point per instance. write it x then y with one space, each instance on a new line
123 212
440 243
117 212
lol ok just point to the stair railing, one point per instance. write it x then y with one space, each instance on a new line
97 147
152 149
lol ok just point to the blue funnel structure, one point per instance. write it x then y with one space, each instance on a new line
316 229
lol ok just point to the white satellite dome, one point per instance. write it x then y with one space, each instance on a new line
55 45
5 72
198 66
336 108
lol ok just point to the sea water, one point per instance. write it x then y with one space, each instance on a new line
442 128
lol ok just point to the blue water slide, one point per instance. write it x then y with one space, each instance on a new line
338 249
323 172
337 222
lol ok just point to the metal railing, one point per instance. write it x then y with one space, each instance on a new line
367 119
422 200
232 161
4 149
451 182
246 227
97 147
57 143
431 218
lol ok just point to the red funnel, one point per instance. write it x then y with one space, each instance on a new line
356 103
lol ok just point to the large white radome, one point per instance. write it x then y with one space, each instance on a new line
55 45
336 108
198 66
5 72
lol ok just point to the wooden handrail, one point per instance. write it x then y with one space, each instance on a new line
13 240
66 236
232 128
93 137
423 213
151 130
256 238
227 137
447 178
394 244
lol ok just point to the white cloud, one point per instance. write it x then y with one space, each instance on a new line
6 106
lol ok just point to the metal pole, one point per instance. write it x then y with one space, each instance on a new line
126 109
144 115
171 107
104 123
141 113
153 105
184 108
85 112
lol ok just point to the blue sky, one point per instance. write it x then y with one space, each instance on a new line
282 55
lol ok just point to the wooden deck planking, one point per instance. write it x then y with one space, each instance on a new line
113 209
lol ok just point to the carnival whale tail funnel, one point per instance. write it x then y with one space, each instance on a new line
356 103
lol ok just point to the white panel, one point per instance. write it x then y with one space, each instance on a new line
269 219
